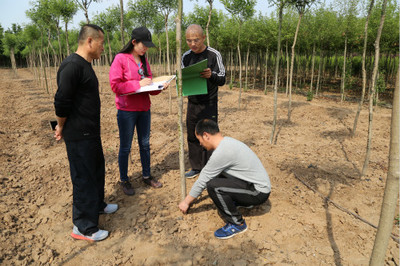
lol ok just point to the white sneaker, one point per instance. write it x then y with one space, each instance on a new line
110 208
99 235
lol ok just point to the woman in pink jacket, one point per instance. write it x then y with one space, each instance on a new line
129 72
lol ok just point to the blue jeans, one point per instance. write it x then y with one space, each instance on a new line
127 120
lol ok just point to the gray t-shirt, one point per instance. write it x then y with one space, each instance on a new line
236 159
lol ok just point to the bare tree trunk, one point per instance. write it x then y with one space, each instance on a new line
231 67
296 74
28 61
53 80
59 45
38 66
372 88
246 87
44 71
52 48
106 60
85 11
168 63
277 73
110 58
240 66
66 38
376 95
240 74
33 63
121 2
292 65
180 99
13 63
305 70
167 37
266 72
287 68
159 58
364 71
255 70
236 64
49 67
312 68
344 71
391 193
336 66
164 65
210 2
321 60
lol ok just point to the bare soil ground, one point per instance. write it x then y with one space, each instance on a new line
295 227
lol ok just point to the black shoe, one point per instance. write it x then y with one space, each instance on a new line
151 181
127 188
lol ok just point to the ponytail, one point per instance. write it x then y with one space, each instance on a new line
127 48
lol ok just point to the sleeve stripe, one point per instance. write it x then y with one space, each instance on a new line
219 62
183 56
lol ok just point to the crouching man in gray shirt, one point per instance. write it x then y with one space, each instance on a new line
234 176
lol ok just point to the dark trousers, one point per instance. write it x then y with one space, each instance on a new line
86 161
198 156
229 192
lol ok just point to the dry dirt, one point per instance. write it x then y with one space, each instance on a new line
295 227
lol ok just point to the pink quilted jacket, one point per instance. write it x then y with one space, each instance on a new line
124 78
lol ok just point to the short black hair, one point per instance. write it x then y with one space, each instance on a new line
89 30
207 125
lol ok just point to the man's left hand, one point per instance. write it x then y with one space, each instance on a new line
206 73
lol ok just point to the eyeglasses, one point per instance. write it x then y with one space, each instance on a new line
194 40
141 73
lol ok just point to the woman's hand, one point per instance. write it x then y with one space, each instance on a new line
145 82
166 85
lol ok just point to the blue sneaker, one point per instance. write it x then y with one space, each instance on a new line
192 173
229 230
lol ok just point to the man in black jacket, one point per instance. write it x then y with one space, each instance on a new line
77 107
206 105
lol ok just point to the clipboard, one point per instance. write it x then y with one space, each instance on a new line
157 85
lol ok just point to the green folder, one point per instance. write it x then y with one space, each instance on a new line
192 83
